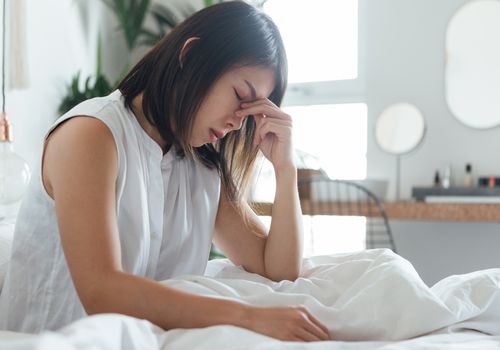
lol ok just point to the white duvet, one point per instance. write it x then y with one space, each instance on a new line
371 299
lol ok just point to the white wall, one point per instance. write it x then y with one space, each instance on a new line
441 249
405 63
61 39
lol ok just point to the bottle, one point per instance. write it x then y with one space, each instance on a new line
468 179
447 179
437 179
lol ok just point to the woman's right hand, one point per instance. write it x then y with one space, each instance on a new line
287 323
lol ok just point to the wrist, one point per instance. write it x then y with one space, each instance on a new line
243 316
286 171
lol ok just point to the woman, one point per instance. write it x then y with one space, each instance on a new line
133 187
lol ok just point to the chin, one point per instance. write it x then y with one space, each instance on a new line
198 144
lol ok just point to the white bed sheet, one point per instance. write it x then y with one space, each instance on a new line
369 300
117 332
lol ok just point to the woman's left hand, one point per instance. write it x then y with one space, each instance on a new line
273 132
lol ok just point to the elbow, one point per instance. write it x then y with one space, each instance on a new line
278 276
280 271
99 296
93 302
292 276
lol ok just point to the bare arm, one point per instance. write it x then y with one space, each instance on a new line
276 255
285 241
79 173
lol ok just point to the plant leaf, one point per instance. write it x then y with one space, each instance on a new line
187 10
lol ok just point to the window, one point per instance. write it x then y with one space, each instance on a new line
335 135
331 234
320 37
325 100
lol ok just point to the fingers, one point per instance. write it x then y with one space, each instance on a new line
305 335
289 324
258 102
318 324
268 128
316 331
308 331
262 107
279 127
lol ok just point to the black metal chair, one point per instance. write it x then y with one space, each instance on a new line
320 195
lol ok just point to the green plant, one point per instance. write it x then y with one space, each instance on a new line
130 15
100 86
165 19
216 254
211 2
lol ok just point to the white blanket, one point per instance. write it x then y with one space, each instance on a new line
370 296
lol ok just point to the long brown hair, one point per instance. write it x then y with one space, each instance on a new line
231 34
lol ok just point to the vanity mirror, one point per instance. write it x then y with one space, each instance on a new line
472 71
399 129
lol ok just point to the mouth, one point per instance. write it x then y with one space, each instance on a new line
215 135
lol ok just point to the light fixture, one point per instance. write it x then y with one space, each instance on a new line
14 171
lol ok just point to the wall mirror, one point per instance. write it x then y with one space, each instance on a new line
399 129
472 70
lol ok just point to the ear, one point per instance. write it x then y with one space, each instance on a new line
185 49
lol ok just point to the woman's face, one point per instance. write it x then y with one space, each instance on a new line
216 116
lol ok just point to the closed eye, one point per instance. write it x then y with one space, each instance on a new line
237 96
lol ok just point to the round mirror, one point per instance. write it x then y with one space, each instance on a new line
400 128
472 72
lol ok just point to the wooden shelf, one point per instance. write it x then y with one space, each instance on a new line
443 211
407 211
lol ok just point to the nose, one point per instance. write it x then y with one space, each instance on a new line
235 122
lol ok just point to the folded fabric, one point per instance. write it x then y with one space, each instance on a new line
372 295
367 295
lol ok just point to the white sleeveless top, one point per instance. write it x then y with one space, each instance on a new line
166 208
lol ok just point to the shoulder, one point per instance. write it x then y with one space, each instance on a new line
81 131
81 146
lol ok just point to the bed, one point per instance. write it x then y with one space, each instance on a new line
372 299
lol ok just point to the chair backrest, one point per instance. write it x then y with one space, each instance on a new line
321 195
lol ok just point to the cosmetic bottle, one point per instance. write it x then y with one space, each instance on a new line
468 179
437 179
447 179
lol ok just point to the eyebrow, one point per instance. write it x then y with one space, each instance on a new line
252 89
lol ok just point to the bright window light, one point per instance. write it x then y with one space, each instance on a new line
331 234
320 36
334 135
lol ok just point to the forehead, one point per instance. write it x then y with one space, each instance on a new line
261 78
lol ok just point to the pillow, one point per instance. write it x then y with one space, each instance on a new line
6 235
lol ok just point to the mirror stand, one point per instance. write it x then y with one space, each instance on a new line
399 129
398 176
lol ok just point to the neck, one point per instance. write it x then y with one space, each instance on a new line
146 125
